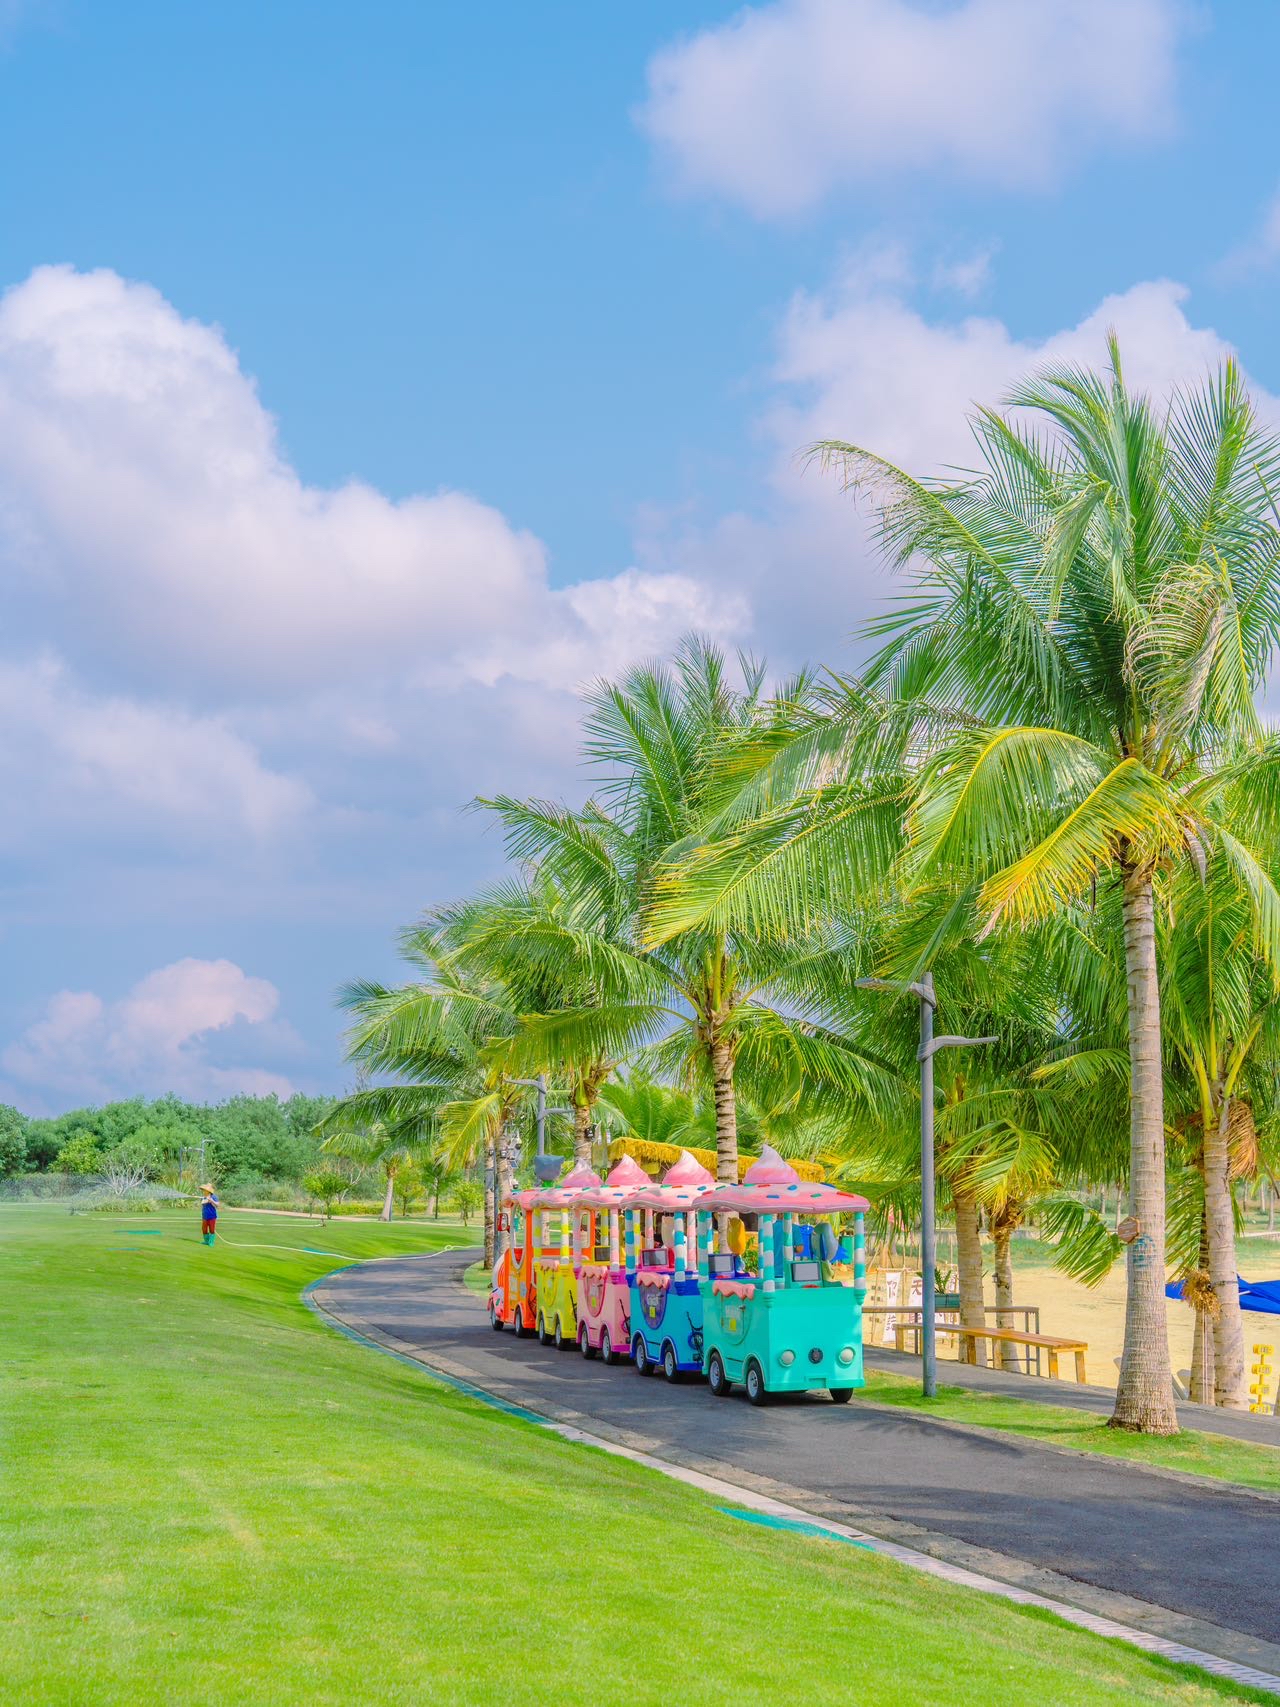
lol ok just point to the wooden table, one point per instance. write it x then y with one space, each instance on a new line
1050 1344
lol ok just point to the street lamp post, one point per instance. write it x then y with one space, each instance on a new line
541 1159
929 1046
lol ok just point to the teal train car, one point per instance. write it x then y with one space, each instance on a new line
795 1325
663 1271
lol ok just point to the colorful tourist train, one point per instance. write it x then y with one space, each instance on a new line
759 1284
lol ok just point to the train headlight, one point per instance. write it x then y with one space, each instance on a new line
786 1358
845 1354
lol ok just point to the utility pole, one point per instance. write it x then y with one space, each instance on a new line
928 1231
929 1047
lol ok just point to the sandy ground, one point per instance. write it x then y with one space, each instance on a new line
1096 1314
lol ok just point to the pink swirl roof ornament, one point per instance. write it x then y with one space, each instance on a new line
770 1169
580 1178
625 1179
685 1183
773 1187
687 1171
628 1173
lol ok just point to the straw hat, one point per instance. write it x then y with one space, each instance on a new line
207 1188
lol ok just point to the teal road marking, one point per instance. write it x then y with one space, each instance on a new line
794 1525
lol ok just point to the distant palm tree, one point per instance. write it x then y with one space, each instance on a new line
443 1038
374 1148
549 954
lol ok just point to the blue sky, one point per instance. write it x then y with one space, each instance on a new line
370 378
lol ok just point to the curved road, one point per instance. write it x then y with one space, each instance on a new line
1065 1523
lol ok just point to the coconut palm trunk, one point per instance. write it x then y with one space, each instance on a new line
490 1176
582 1132
726 1111
1144 1399
1002 1230
1200 1388
505 1155
1200 1384
388 1196
1228 1329
973 1312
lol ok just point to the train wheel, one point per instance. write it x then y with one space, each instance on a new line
606 1346
495 1320
717 1380
670 1367
544 1338
841 1395
517 1323
584 1342
757 1393
558 1339
640 1355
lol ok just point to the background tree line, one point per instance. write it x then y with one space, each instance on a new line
258 1150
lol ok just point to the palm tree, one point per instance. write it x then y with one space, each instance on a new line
444 1038
715 1010
637 1106
1071 684
1222 1028
548 956
997 1130
374 1148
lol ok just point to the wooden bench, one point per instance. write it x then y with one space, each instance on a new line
1050 1344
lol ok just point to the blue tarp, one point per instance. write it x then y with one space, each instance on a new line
1260 1295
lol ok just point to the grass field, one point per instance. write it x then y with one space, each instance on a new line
211 1497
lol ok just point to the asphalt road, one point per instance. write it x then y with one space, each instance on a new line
1203 1552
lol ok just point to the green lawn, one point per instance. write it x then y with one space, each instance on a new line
211 1497
1085 1431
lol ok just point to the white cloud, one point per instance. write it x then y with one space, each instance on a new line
262 691
872 369
861 363
152 516
788 101
89 764
1259 253
612 622
152 1040
968 277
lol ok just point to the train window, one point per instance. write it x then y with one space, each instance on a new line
806 1274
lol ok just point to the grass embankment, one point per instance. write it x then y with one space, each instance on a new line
211 1497
1085 1431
